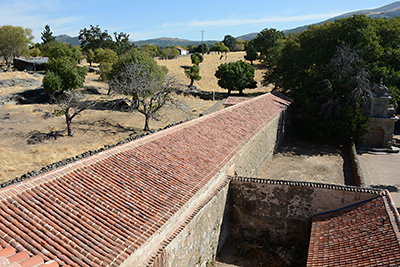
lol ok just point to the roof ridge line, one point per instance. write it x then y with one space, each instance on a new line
309 184
393 214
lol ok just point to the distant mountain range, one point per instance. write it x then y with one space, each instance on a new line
68 39
165 41
387 11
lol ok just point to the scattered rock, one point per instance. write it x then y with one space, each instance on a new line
4 116
92 90
38 137
8 99
48 115
20 82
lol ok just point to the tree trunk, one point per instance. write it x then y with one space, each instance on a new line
191 83
8 63
146 123
69 123
229 91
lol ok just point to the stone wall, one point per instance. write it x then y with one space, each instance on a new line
280 213
195 241
197 244
252 157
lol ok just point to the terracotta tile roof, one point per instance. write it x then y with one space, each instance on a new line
99 210
365 234
233 100
9 257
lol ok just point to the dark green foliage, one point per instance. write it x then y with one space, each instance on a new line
193 73
57 49
122 43
47 35
71 76
201 48
330 71
251 52
196 58
267 40
168 52
236 76
152 50
52 82
94 38
230 42
219 47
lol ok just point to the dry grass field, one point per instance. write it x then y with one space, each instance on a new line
208 67
95 128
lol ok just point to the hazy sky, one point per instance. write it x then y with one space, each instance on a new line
147 19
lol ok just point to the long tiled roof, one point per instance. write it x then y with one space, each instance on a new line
10 258
364 234
99 210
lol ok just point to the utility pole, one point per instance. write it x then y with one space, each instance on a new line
202 42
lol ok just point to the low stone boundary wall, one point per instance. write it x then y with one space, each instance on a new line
356 168
279 213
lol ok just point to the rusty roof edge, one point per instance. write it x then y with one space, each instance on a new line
349 188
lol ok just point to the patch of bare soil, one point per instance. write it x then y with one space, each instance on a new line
300 160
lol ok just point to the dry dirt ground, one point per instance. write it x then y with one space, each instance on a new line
305 161
95 128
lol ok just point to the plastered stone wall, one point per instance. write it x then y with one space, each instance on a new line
260 148
281 212
197 244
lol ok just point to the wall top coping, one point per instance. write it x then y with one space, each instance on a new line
380 192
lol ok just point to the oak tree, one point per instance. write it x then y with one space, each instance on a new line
236 76
14 42
147 86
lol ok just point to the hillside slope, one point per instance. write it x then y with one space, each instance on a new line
388 11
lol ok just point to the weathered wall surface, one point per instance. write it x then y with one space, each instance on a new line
196 245
258 150
281 212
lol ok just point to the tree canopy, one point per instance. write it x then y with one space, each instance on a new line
62 77
266 41
236 76
47 35
251 52
193 73
219 47
330 70
94 38
147 85
230 42
196 58
14 42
